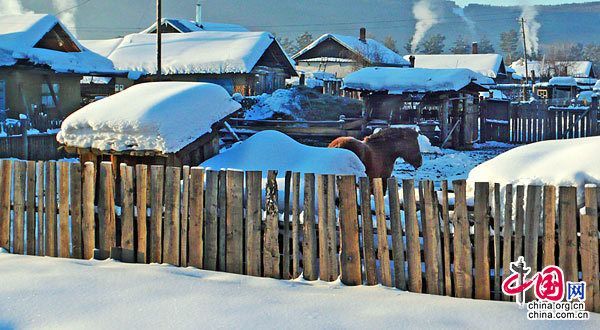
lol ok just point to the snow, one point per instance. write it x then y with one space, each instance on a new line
571 162
44 292
580 69
159 116
205 52
273 150
95 80
372 50
597 86
184 26
283 101
408 80
20 33
488 65
562 81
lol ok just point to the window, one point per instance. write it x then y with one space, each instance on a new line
119 88
542 93
47 100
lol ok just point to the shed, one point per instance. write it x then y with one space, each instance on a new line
249 63
489 65
342 55
444 99
41 65
168 123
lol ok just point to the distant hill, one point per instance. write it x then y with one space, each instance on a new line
109 18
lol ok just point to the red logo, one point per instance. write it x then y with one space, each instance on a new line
549 283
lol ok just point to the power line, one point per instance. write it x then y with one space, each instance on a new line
76 6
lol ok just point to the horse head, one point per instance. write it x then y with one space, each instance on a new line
399 142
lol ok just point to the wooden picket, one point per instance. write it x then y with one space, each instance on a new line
214 220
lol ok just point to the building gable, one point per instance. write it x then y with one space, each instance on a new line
59 40
329 48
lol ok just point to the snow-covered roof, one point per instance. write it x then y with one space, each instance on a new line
489 65
580 69
95 80
156 116
413 80
207 52
19 35
562 81
186 25
297 157
597 86
371 50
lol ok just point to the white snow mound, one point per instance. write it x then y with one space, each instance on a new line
562 163
272 150
158 116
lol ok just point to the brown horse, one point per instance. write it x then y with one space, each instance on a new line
379 151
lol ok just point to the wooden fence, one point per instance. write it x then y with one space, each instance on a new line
214 220
537 122
34 147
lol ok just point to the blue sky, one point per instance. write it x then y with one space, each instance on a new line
517 2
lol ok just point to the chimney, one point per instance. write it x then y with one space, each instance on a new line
411 58
363 34
533 76
474 48
199 13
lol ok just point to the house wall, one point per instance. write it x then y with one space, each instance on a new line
340 69
30 82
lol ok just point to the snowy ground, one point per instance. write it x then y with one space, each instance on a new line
43 292
450 164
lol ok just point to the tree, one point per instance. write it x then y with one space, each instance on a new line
288 45
509 41
433 45
303 40
460 46
485 46
390 43
408 47
591 52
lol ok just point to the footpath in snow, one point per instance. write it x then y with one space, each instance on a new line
43 292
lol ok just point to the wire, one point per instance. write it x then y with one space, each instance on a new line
76 6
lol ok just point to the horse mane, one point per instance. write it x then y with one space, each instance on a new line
387 135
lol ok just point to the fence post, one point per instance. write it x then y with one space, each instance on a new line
5 187
50 207
367 232
75 189
482 265
589 249
63 209
271 237
413 244
194 243
507 234
549 226
222 218
382 242
39 173
286 227
141 186
309 244
446 241
463 262
331 238
296 225
106 210
31 211
19 185
211 233
171 220
397 234
127 238
519 222
322 226
253 223
89 222
235 223
157 172
567 209
350 252
430 239
533 212
185 218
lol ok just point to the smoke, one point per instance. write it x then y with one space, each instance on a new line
68 9
470 24
426 18
532 27
11 7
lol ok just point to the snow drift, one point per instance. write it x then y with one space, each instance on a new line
563 162
158 116
272 150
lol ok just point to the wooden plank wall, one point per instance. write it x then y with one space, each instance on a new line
191 217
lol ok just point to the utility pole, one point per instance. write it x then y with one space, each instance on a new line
158 40
525 49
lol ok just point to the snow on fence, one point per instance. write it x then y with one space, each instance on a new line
218 220
527 123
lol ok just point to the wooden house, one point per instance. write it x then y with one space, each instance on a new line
342 55
249 63
557 89
41 65
544 70
166 123
443 102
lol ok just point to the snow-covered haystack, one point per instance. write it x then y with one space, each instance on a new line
272 150
565 162
158 116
